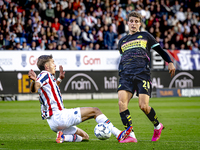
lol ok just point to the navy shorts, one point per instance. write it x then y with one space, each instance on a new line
134 84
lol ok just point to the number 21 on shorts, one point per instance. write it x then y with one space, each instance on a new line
146 85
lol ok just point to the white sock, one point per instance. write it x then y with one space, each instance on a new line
72 138
132 134
157 127
102 118
114 130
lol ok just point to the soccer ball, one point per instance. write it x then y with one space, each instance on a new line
101 131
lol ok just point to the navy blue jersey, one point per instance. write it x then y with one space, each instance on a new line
135 53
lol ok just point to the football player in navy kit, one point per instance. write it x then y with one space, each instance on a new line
134 72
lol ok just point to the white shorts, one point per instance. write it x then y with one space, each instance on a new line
65 121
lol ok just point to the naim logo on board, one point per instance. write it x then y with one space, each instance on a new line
81 81
182 80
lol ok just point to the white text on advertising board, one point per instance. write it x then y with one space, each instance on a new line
81 84
110 83
185 82
1 87
156 82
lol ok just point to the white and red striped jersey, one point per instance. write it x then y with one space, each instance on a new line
50 96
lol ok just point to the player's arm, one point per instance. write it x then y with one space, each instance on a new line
120 67
166 57
34 85
61 76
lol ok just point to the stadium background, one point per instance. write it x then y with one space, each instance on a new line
79 39
177 31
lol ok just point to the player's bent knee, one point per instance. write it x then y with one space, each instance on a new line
85 137
97 110
143 108
121 103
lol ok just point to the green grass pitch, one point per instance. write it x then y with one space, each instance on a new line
21 126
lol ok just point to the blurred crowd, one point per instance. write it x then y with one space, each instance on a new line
95 24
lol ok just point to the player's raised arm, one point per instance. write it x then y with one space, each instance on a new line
34 85
61 76
171 69
166 57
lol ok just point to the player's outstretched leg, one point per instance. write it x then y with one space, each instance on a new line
120 135
157 133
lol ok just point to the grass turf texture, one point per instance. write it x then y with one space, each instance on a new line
21 126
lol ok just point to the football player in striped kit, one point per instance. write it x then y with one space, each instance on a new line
62 120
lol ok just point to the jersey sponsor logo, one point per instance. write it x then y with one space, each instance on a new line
134 44
139 37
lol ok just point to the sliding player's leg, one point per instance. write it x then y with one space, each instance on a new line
94 112
71 134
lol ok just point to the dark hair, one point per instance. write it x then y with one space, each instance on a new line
135 14
42 60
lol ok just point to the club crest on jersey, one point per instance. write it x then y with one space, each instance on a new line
139 37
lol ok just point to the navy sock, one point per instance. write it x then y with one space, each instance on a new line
126 118
152 117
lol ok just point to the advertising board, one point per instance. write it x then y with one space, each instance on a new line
70 60
97 81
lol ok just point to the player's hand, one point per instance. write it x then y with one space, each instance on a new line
32 75
171 69
62 73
